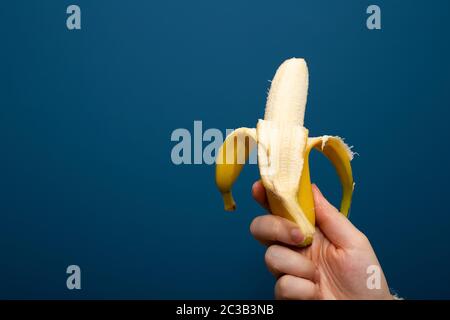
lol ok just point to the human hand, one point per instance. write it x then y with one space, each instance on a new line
335 266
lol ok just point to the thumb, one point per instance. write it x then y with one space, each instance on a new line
333 224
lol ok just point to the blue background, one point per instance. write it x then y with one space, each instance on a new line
86 117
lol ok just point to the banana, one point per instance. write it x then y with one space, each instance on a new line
283 149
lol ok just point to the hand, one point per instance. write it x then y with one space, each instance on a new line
335 266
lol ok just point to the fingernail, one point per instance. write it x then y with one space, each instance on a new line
317 194
316 188
254 186
296 236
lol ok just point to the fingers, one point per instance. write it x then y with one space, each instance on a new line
281 260
259 193
337 228
289 287
334 225
271 229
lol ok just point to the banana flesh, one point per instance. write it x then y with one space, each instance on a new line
283 149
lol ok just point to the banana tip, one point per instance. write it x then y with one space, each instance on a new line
228 201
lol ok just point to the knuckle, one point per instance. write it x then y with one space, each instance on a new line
282 288
266 227
270 256
276 229
363 240
254 226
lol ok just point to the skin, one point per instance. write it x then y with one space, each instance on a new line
333 267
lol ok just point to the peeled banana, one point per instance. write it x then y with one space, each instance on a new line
283 149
